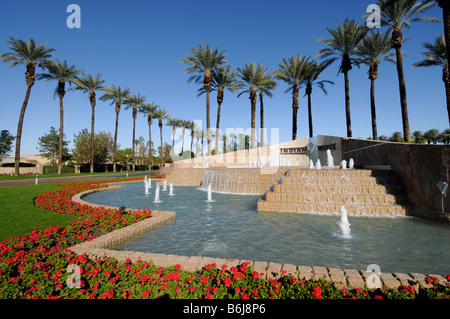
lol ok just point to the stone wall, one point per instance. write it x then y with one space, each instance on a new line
419 167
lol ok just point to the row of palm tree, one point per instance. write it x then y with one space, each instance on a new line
350 44
432 136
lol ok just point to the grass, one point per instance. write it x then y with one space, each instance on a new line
19 216
9 177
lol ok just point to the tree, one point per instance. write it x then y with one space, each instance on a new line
445 5
342 47
124 157
418 137
134 101
148 109
431 135
314 69
437 56
265 86
63 73
396 14
223 78
293 71
6 142
49 146
372 50
203 62
161 114
116 95
252 76
103 146
184 124
396 137
32 55
89 84
175 123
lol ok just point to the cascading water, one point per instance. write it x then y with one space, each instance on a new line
344 224
209 193
311 164
351 163
330 161
344 164
318 165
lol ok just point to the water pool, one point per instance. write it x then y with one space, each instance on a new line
230 227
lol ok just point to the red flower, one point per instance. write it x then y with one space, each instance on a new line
317 292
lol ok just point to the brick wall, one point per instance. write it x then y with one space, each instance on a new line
419 167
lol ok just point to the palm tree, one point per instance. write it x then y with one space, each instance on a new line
417 136
396 137
372 50
148 109
116 95
60 71
431 135
446 15
32 55
175 123
266 85
224 78
203 62
89 84
184 124
342 46
251 75
397 14
314 69
161 114
191 127
134 101
293 71
437 56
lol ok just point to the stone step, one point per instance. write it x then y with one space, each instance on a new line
332 198
341 172
337 189
333 208
338 180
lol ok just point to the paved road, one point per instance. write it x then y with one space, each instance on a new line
47 180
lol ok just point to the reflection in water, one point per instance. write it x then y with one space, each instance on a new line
230 227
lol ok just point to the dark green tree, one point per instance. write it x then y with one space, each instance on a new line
6 142
49 146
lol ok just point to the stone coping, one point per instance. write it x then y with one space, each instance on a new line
101 247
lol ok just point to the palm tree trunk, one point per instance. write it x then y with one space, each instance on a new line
162 150
19 131
217 126
294 112
310 116
173 143
92 98
208 124
150 155
446 15
253 117
261 138
347 105
134 136
182 143
373 110
446 79
115 138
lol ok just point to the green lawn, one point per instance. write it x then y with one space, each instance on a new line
9 177
19 216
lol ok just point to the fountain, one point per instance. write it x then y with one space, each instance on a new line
311 164
344 164
350 164
318 165
209 193
171 189
165 185
146 186
344 224
157 200
330 160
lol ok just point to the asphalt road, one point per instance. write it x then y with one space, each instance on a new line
47 180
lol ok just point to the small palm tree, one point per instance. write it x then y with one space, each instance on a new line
32 55
175 123
437 56
116 95
314 69
203 62
372 50
293 71
89 84
396 137
224 78
265 86
133 101
418 135
161 114
251 75
63 73
396 14
342 46
431 135
148 109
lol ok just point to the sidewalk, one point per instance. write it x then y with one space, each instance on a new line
48 180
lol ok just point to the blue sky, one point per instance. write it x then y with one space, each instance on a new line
138 44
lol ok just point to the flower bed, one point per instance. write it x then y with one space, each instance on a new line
41 265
